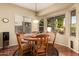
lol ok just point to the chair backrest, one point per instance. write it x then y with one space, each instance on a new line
19 41
42 44
52 37
43 39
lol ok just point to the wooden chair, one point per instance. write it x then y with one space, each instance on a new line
23 48
41 45
54 38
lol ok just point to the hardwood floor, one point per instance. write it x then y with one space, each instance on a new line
63 51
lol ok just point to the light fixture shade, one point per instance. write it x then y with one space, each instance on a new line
35 21
49 29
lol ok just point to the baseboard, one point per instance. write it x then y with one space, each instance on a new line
0 47
13 45
75 51
61 44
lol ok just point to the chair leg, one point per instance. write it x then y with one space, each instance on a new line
20 54
46 54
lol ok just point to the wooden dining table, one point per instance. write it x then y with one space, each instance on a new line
30 39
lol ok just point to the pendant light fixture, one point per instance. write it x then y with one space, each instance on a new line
36 9
36 19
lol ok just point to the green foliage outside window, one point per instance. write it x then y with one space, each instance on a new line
59 22
56 23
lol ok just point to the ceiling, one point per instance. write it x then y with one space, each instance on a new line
31 6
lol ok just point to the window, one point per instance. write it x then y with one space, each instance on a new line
73 23
18 23
22 24
51 24
60 24
41 26
57 23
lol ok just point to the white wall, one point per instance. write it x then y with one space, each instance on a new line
8 11
60 39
